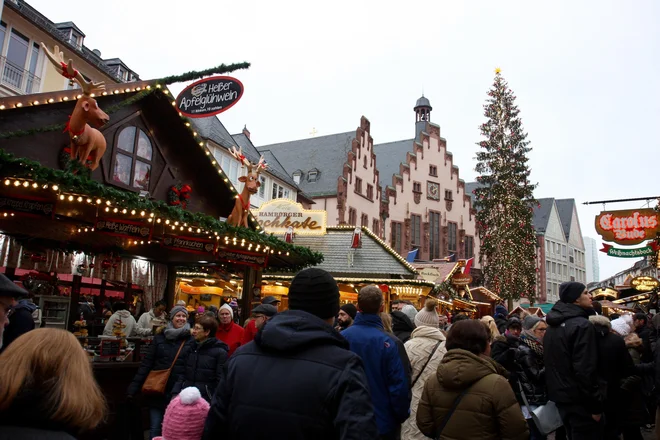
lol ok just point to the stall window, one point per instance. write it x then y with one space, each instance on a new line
133 158
451 239
415 229
434 235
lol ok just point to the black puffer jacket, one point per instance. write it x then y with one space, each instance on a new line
402 326
571 358
297 380
202 368
531 373
503 351
160 357
22 433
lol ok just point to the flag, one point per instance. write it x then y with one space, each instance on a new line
412 255
468 266
451 258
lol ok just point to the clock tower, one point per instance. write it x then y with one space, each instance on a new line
422 115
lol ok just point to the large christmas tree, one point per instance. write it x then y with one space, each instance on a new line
504 199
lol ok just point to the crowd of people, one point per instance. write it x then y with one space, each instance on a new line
321 371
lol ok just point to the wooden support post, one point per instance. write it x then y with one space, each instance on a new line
74 299
249 277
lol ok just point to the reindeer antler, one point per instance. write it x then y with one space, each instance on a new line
238 155
262 165
66 70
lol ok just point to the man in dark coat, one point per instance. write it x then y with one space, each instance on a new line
571 363
21 321
9 291
402 326
202 367
501 314
297 380
504 348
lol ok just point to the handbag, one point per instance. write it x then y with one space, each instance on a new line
546 417
156 381
425 364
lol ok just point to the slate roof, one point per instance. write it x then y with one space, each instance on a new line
565 208
470 187
328 154
388 158
276 169
211 128
542 214
372 259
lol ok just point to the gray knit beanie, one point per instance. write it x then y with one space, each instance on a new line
410 312
428 316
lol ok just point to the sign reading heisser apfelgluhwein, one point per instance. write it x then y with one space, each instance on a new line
209 96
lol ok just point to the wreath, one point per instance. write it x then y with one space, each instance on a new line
179 195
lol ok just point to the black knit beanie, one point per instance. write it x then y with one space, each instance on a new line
350 309
570 291
314 291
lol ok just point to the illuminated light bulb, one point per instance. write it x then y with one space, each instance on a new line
107 202
7 182
132 211
78 230
98 201
80 199
79 96
117 93
166 92
157 220
167 222
176 223
107 209
182 228
201 144
173 103
198 230
35 103
148 87
213 162
151 214
142 242
61 197
142 213
194 133
225 180
124 211
17 183
185 224
5 214
115 210
187 124
127 90
19 105
86 229
189 229
135 242
158 86
66 98
149 220
2 107
70 198
208 153
105 93
287 254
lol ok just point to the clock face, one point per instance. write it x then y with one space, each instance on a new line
433 190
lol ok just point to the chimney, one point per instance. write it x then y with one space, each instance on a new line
246 132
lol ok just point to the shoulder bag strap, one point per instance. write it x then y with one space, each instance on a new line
445 420
524 398
425 364
177 354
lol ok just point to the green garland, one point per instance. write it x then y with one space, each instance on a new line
446 286
16 167
193 75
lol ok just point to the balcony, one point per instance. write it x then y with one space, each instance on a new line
18 78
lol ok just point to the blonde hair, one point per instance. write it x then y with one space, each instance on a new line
387 321
490 323
53 360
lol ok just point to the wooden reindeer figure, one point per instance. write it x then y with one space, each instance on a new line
239 215
85 140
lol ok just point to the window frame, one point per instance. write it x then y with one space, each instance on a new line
468 243
452 238
435 250
134 157
415 230
370 191
417 187
449 195
396 236
433 170
358 185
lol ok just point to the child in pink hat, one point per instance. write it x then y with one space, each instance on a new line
185 416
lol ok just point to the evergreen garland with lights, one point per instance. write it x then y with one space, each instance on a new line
505 199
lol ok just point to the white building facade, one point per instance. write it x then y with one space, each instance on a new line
591 256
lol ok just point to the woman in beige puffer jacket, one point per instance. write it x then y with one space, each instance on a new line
422 347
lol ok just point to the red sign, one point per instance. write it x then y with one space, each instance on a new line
627 227
188 244
209 96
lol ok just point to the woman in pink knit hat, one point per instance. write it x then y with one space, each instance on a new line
185 416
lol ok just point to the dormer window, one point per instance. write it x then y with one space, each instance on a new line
313 175
297 175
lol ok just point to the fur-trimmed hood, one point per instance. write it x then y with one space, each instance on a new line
633 341
601 321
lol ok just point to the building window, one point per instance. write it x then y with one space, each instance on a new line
296 177
280 192
417 187
469 247
396 236
554 268
547 246
563 251
375 227
352 217
571 257
448 195
433 170
415 229
451 239
365 161
312 175
262 187
434 235
364 221
370 192
133 155
358 185
547 268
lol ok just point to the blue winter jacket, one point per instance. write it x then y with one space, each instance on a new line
388 385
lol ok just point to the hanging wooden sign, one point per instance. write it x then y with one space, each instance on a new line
461 279
650 249
627 227
247 258
644 284
32 206
188 244
209 96
123 228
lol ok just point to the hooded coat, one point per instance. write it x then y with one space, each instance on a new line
231 334
127 321
297 380
402 326
21 322
571 358
421 348
488 411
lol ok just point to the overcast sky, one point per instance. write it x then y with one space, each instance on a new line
586 74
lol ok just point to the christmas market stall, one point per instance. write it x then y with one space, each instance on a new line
107 193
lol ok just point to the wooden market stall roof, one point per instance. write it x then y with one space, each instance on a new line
437 272
31 128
